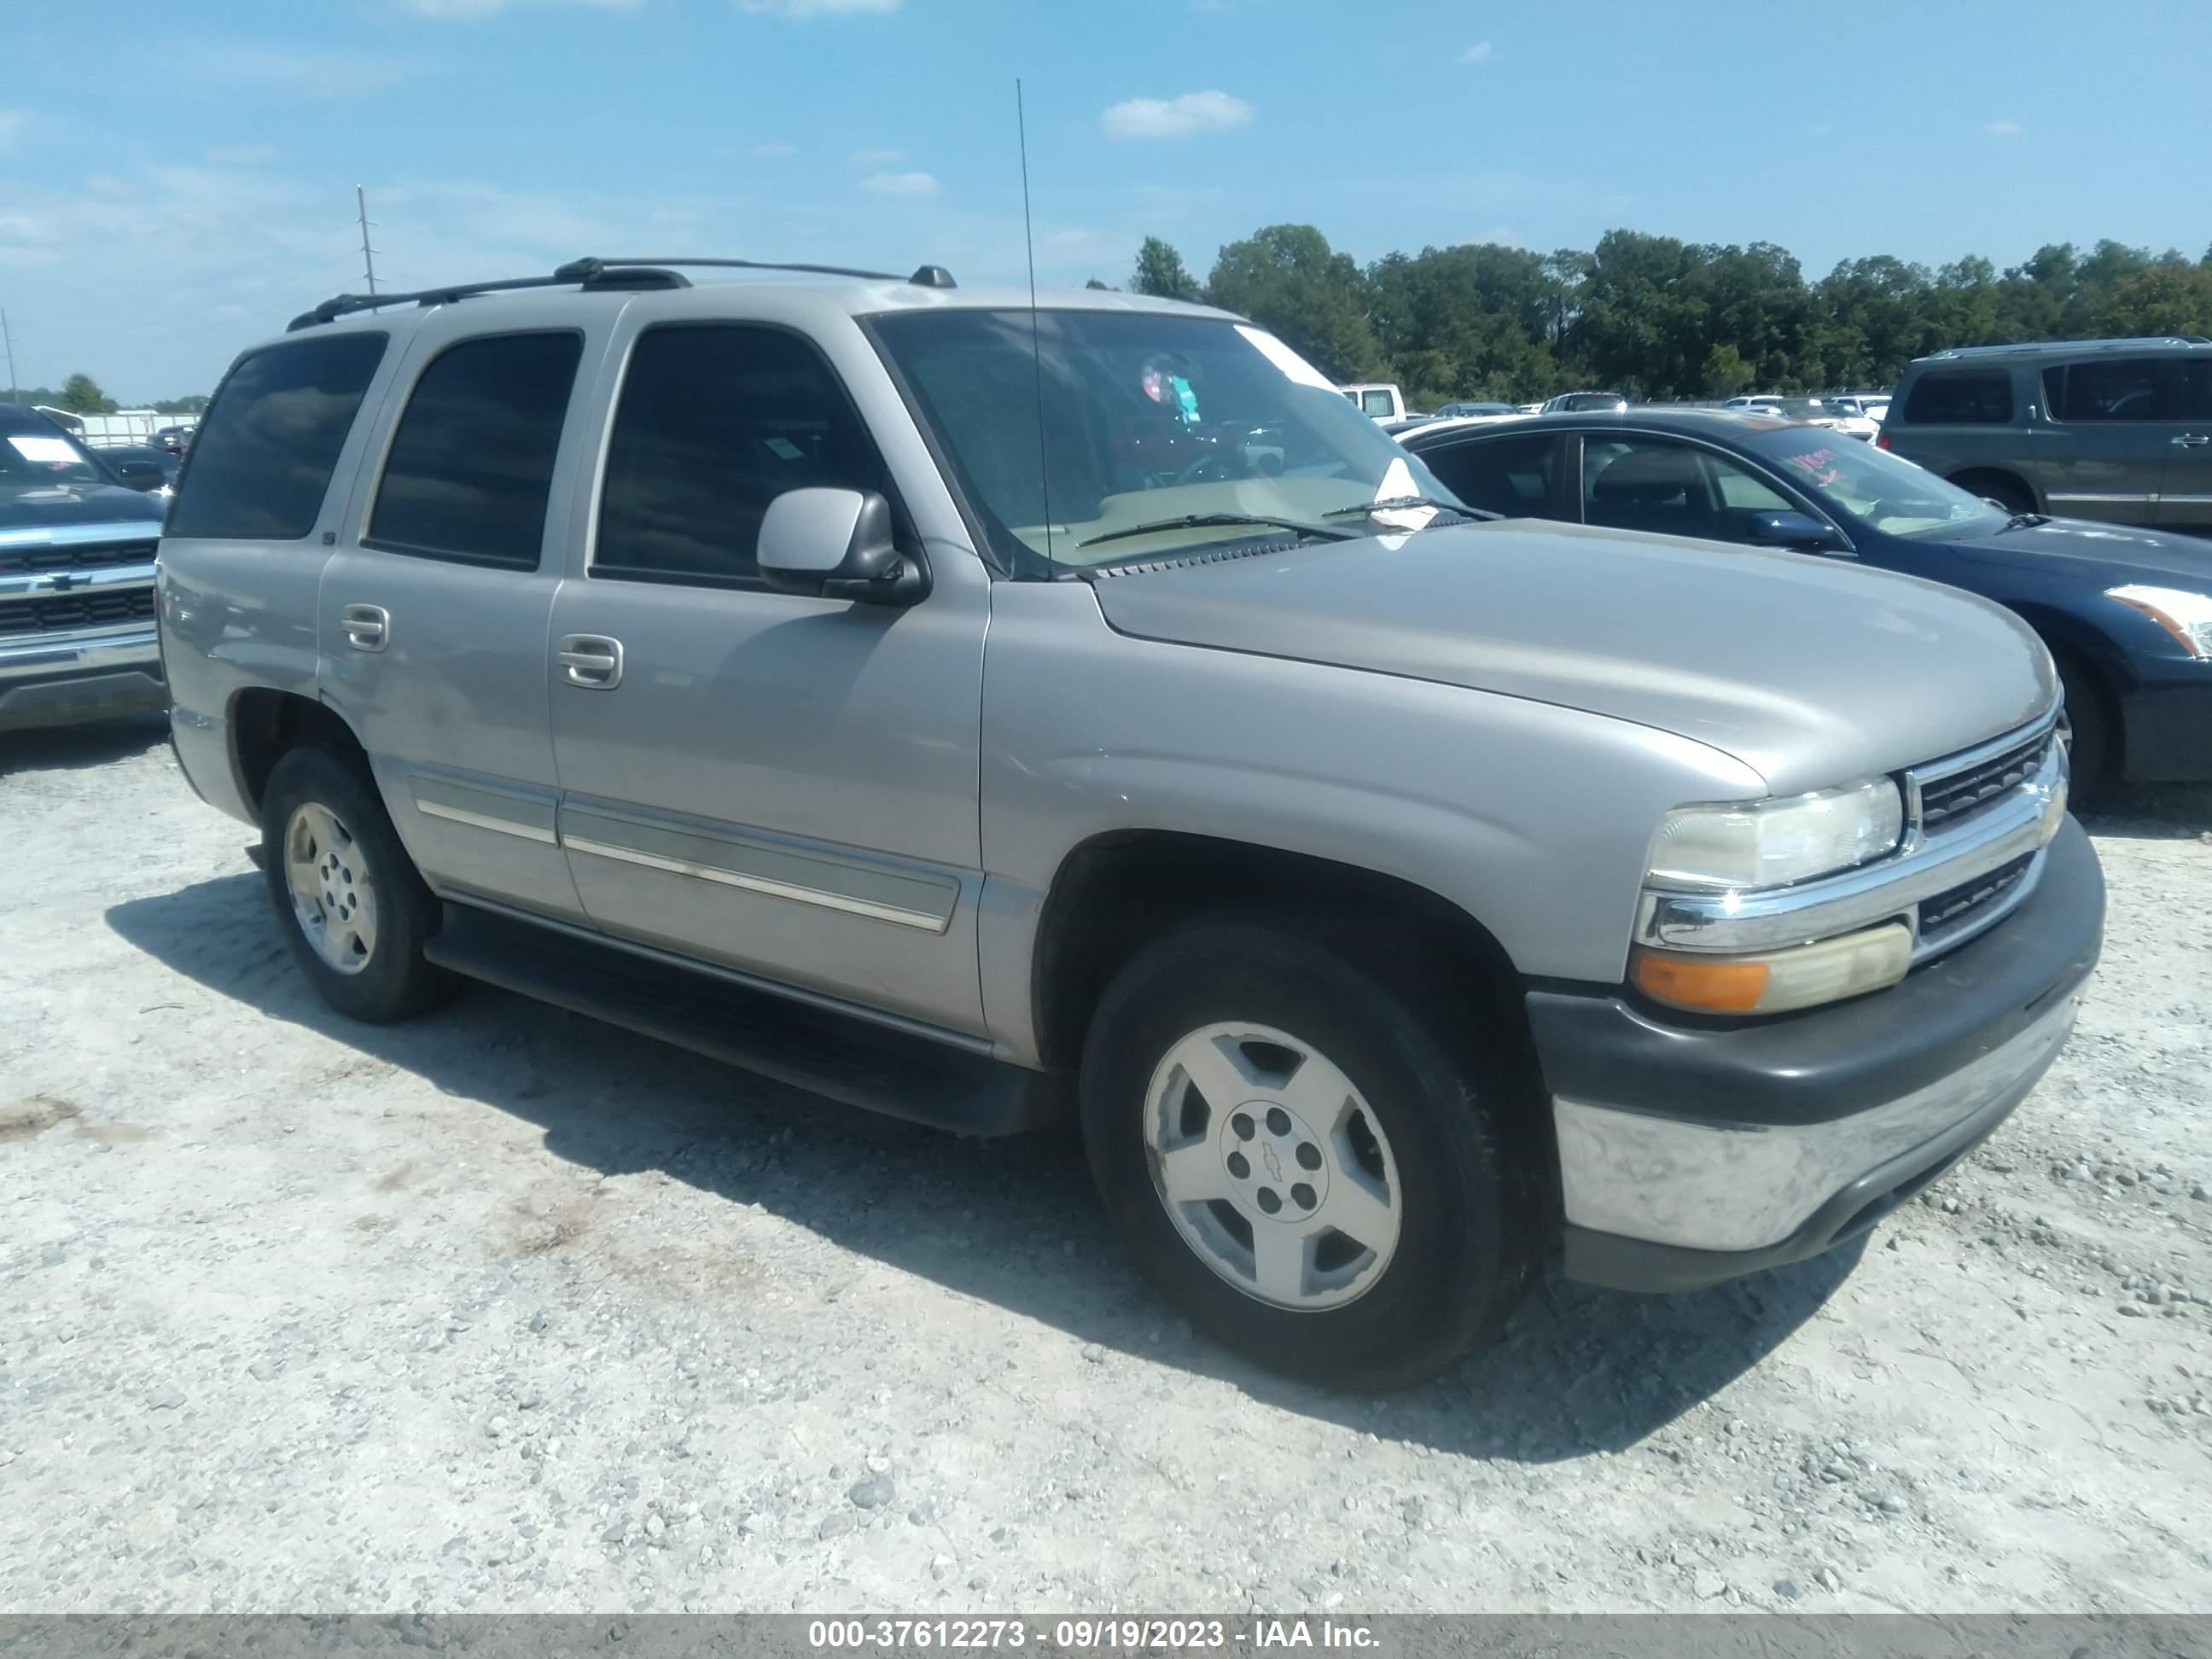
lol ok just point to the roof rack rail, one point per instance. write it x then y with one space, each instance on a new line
2132 343
594 275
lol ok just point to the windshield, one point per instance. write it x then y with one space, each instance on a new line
1145 415
1873 487
42 456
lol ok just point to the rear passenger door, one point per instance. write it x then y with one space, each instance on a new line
772 782
2185 494
435 610
2108 430
1519 477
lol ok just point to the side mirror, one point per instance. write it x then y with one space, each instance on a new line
138 475
1800 531
836 544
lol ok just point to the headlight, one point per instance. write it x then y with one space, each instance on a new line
1775 981
1770 842
2185 615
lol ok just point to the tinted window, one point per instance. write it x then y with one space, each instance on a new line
1961 398
714 423
2109 389
1512 475
2196 393
472 461
1649 483
262 455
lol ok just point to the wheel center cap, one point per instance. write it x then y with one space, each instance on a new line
1278 1167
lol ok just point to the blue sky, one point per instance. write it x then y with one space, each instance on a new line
176 180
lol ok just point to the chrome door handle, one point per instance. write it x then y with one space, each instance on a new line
591 660
368 627
2191 440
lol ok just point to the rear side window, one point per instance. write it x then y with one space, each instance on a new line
1981 397
262 459
2108 389
1512 475
715 422
471 463
2194 399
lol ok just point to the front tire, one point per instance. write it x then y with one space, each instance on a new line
2085 726
1316 1170
352 906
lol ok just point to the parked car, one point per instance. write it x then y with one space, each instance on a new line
1379 402
1807 411
1394 898
2115 430
1579 402
76 580
2127 617
1475 410
174 439
141 467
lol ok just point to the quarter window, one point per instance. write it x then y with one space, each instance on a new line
2107 389
471 463
262 459
715 422
1961 398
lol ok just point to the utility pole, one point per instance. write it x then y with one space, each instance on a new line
8 340
367 254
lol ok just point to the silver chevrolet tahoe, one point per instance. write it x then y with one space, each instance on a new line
984 711
76 580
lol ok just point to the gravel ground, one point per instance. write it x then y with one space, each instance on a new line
506 1309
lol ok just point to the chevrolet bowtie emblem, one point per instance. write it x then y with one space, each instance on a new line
64 583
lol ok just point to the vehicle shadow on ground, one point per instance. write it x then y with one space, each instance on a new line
2151 812
1009 1222
71 748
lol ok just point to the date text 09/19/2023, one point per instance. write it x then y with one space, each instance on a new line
1087 1635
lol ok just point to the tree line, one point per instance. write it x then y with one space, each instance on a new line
81 394
1656 317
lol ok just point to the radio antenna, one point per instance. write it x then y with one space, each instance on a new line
1036 349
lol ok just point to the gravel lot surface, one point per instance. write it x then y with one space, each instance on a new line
507 1309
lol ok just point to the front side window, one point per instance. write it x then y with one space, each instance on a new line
2105 389
471 463
715 422
1858 483
1978 397
263 452
1511 475
1673 490
1148 418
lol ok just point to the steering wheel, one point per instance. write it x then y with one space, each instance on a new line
1217 463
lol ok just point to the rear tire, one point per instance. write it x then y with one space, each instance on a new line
2007 492
353 908
1349 1205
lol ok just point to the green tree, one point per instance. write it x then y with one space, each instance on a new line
1160 271
1287 278
81 395
195 404
1726 372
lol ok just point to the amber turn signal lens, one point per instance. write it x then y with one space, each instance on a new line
1714 983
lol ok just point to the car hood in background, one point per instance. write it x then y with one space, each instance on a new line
1812 672
45 506
2112 553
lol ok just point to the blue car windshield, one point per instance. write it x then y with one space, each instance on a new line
1872 487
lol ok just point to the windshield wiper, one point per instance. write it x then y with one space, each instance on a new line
1208 521
1400 503
2024 521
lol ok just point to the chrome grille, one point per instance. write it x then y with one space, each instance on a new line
1953 798
87 555
1948 913
94 607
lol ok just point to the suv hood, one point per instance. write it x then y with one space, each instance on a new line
41 507
1811 672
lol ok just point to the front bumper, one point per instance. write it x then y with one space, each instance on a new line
61 680
2167 722
1690 1154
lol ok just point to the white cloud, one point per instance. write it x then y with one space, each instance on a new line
316 74
814 8
1174 117
2005 129
235 155
877 158
900 183
12 121
1477 53
470 10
